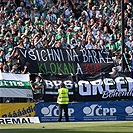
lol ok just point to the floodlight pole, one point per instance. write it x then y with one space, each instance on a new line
122 28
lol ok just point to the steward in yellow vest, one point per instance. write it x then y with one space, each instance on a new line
63 100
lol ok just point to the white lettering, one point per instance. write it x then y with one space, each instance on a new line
38 55
84 85
112 111
130 83
98 111
44 55
101 58
49 84
105 111
97 86
24 54
108 83
31 55
69 55
84 54
94 56
57 83
79 70
50 55
75 56
68 84
119 82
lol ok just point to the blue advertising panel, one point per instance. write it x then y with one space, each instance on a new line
87 111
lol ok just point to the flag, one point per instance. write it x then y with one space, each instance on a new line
15 85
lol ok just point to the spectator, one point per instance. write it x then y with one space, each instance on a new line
5 69
1 66
114 72
2 56
37 88
15 68
68 12
111 45
89 44
129 42
8 55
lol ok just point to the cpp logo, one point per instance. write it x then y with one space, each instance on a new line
96 109
129 110
53 110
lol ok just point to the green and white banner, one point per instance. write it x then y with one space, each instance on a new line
15 85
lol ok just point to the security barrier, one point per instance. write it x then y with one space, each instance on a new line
88 111
17 110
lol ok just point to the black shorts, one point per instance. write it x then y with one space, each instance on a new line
37 96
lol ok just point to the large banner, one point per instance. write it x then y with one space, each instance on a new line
64 61
87 87
17 110
15 85
87 111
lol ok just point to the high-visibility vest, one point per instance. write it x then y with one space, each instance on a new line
63 96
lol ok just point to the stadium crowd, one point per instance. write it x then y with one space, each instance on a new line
68 24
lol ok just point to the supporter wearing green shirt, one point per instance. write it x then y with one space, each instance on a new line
118 45
69 35
111 45
7 44
38 86
60 34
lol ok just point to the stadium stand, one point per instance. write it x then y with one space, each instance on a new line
67 24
